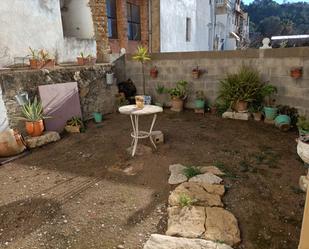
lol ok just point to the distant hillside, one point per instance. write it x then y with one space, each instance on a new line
269 18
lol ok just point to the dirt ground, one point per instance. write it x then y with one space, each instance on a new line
86 192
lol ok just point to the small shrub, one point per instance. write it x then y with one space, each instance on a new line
191 171
185 200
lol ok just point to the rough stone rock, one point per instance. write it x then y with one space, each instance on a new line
212 169
186 222
237 115
221 225
303 183
217 189
157 241
177 176
197 193
46 138
206 178
140 150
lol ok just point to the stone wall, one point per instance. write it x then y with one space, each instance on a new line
274 66
95 95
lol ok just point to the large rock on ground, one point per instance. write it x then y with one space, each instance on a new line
211 169
196 192
237 115
46 138
221 225
186 222
157 241
217 189
207 178
177 174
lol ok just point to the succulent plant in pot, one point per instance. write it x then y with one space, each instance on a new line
178 95
303 125
33 116
199 100
35 59
74 125
270 110
256 110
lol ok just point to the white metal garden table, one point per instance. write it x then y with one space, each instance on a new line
134 115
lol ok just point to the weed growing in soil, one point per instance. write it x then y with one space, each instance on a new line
185 200
223 168
191 171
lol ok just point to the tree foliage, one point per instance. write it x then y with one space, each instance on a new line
268 18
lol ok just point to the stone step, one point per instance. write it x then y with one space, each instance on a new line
157 241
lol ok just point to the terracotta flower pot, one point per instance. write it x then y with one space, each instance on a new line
11 143
257 116
35 64
213 110
49 63
195 74
177 104
296 73
35 129
80 61
241 106
154 73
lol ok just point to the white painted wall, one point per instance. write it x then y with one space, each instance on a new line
173 14
77 19
37 23
4 124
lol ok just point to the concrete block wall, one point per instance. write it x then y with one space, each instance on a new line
273 64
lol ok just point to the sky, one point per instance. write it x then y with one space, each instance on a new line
278 1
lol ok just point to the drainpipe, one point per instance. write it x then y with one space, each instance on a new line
150 25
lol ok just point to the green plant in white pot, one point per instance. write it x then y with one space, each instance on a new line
143 57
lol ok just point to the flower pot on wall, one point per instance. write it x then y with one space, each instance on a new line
35 63
296 72
195 74
35 128
154 72
177 104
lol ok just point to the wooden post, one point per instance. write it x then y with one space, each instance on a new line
304 236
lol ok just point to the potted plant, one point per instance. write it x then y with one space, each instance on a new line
74 125
142 56
85 60
287 117
35 60
199 100
196 73
178 95
98 117
270 110
296 72
213 108
48 62
160 90
303 125
240 88
33 116
154 72
256 111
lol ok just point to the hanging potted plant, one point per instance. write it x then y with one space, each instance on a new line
178 95
296 72
74 125
196 73
199 100
33 117
154 72
143 57
303 125
35 60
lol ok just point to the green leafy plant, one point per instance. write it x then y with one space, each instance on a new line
191 171
32 111
180 91
303 123
121 100
142 56
160 89
185 200
199 95
75 121
255 107
266 91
